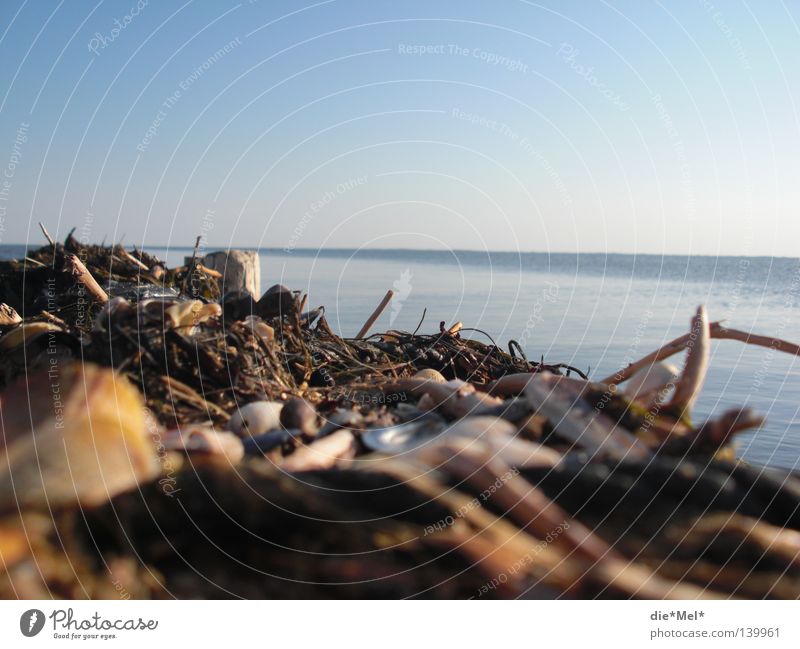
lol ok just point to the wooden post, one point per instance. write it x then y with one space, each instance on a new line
240 269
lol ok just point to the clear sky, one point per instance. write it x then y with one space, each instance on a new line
625 126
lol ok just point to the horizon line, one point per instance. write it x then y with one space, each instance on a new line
286 251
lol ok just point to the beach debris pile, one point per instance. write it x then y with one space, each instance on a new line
165 437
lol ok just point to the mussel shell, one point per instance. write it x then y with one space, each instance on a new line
403 437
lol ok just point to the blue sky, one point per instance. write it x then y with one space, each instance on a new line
631 126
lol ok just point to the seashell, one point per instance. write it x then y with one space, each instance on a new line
204 439
260 329
190 313
76 438
575 420
430 375
154 308
403 438
325 453
8 316
649 385
299 413
25 334
255 418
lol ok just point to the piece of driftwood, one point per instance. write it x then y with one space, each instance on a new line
74 266
240 270
376 314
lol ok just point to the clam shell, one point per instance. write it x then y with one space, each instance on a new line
255 418
430 375
76 438
25 333
649 385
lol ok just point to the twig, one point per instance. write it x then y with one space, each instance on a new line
376 314
718 332
723 333
670 349
421 320
129 257
47 234
75 267
688 387
36 263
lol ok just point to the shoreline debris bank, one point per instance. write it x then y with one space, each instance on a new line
166 437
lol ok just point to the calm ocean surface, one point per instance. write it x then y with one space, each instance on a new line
589 310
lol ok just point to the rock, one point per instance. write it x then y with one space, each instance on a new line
299 413
237 305
256 418
240 270
277 301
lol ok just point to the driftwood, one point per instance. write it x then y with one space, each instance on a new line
74 266
376 314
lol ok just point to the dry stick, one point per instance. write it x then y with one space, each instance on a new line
46 234
190 268
688 387
34 262
718 332
75 267
132 259
723 333
376 314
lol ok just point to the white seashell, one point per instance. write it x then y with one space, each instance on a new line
260 328
256 418
190 313
430 375
650 384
